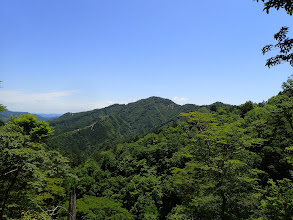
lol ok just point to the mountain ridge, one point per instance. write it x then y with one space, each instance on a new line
85 130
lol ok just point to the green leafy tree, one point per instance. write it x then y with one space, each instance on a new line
144 195
246 107
287 5
284 43
278 201
30 176
2 108
38 131
91 207
220 182
273 123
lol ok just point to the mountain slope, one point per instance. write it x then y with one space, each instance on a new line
79 131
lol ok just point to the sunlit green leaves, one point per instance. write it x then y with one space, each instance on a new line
29 175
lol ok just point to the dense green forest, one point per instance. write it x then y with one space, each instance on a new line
216 162
79 134
154 159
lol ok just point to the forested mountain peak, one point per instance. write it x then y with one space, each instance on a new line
155 99
120 109
118 121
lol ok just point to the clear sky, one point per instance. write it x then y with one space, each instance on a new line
62 56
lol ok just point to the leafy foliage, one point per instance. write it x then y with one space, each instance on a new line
90 207
287 5
206 166
284 45
220 162
278 201
29 175
220 182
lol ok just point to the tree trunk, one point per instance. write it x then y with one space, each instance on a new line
224 200
72 205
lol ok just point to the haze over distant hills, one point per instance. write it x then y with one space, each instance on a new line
49 116
75 132
4 116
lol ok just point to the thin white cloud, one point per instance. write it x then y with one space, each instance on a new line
180 99
110 102
50 102
12 96
122 101
53 102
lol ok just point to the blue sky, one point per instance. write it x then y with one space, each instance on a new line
70 56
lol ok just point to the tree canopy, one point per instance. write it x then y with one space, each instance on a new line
284 44
234 162
30 176
287 5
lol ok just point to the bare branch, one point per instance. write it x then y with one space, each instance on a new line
11 171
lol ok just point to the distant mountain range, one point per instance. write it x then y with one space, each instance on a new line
49 116
79 132
4 116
